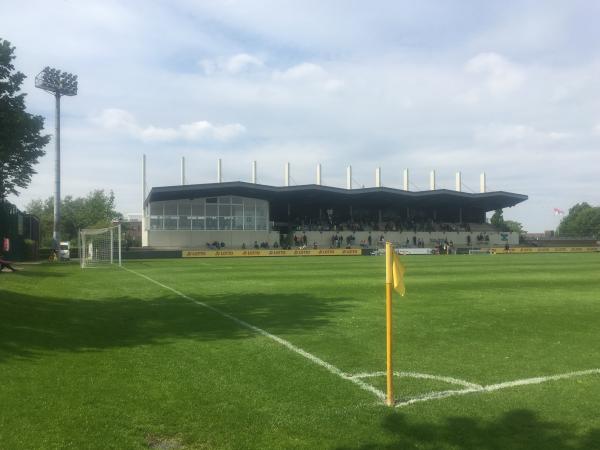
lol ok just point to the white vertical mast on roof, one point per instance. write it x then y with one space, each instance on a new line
287 174
349 177
183 170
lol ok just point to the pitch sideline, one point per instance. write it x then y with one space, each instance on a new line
331 368
496 387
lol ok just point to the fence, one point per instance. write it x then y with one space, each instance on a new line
19 233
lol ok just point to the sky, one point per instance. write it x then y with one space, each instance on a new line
508 88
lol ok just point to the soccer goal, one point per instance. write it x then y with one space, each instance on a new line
100 247
479 251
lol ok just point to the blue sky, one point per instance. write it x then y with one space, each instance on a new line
509 88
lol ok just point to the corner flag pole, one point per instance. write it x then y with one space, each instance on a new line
388 319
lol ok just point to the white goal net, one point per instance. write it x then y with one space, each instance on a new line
100 247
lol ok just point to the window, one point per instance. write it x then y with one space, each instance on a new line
171 218
198 214
185 214
212 213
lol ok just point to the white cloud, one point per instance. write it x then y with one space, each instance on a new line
119 120
505 134
232 65
309 74
304 71
496 74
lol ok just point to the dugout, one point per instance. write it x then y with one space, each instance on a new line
240 213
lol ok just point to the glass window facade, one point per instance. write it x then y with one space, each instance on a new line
212 213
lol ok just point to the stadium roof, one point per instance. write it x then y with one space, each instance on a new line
313 193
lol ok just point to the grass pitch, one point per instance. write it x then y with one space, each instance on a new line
106 358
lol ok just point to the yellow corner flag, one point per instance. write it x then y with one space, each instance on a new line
398 270
394 279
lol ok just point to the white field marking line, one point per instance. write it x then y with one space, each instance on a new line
497 387
331 368
425 376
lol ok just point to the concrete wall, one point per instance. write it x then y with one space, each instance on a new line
198 239
323 239
235 238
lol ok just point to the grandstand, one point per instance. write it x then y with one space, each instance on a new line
245 215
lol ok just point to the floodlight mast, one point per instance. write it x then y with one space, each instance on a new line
57 83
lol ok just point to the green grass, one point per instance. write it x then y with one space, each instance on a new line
103 358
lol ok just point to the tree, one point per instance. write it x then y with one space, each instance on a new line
505 225
96 210
497 219
21 141
514 226
583 220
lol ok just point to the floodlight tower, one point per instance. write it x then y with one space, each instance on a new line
57 83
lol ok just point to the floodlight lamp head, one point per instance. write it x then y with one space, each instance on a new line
56 82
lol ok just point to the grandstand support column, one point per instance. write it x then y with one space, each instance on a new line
253 172
460 215
378 177
432 180
406 180
482 183
458 182
183 170
319 174
349 177
219 171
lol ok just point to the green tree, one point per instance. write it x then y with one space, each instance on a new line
583 220
21 141
498 220
96 210
505 225
516 227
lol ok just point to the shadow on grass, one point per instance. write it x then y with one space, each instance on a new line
31 324
519 429
25 273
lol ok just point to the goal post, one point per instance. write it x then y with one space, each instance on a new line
100 247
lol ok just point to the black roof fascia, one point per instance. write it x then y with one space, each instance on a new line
487 200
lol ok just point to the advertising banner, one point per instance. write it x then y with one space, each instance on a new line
272 252
501 250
